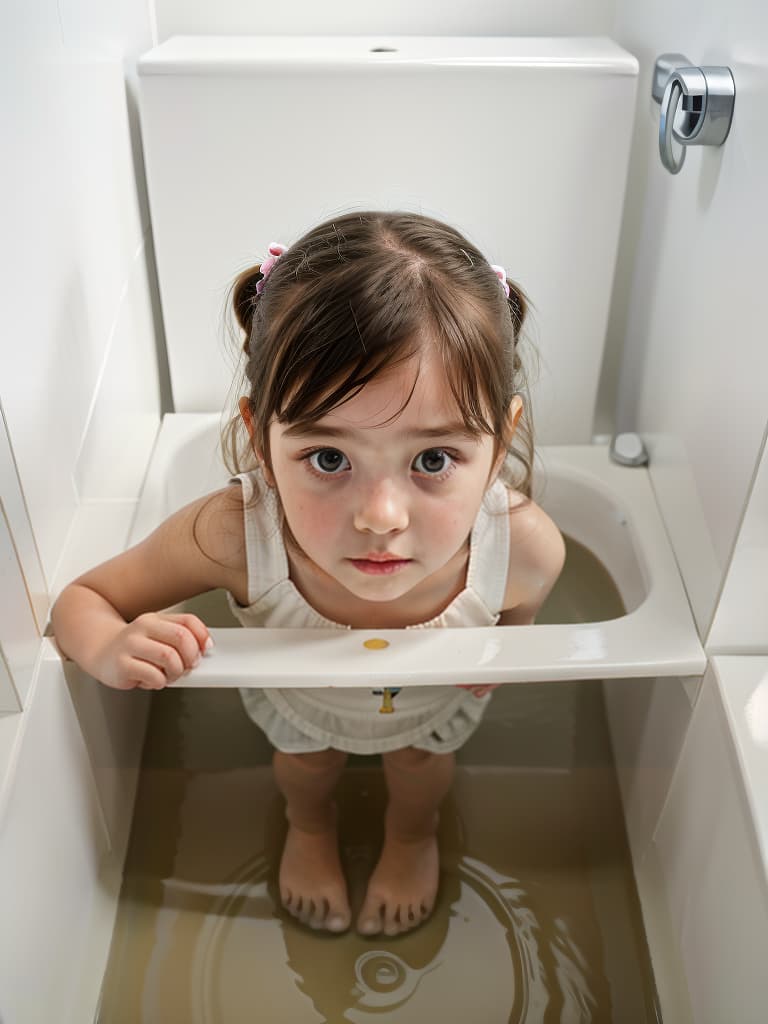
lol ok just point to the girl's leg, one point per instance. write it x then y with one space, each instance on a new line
403 887
312 886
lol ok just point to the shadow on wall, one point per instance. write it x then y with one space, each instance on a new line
137 155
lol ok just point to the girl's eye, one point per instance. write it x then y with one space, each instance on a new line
329 461
432 462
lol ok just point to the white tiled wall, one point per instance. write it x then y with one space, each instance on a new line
363 17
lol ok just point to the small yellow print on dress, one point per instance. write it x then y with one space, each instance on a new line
387 695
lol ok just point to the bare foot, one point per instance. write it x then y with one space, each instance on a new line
403 887
312 885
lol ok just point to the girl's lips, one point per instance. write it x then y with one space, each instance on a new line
380 565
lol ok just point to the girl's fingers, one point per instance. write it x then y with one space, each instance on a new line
162 656
169 633
157 649
150 686
196 627
144 676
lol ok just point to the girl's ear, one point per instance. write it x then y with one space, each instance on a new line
514 413
245 412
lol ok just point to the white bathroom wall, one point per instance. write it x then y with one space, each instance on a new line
371 17
690 300
79 382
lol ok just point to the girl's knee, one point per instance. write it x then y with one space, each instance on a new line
318 761
412 758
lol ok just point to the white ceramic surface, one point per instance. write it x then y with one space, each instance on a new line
609 508
535 179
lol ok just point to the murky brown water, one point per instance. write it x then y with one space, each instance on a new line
537 919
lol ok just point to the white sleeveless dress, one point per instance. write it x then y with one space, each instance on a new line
362 720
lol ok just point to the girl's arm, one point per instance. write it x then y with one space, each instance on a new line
107 619
536 557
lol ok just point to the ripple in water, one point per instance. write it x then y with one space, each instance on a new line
484 955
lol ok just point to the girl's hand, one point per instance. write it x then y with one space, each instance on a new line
152 651
479 689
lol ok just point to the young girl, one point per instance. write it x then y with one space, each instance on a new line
384 384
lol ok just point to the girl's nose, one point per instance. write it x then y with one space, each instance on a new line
382 508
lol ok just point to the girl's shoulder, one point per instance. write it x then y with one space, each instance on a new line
536 555
198 548
218 528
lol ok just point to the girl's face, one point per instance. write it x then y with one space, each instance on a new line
381 499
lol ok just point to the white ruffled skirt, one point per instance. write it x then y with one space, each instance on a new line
314 730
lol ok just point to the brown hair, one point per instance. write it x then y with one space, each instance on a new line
355 295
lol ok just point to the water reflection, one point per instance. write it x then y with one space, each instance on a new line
537 920
518 934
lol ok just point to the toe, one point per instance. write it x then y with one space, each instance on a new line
392 924
307 911
319 914
337 922
371 920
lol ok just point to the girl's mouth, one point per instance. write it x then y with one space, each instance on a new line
380 565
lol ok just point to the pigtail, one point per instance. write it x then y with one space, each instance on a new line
244 298
518 308
521 453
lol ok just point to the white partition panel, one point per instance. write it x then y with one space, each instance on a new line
740 625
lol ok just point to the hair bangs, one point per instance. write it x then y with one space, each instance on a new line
338 347
470 352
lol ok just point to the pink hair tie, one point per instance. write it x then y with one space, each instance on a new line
501 273
275 250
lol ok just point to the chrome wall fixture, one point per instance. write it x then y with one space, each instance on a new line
696 106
